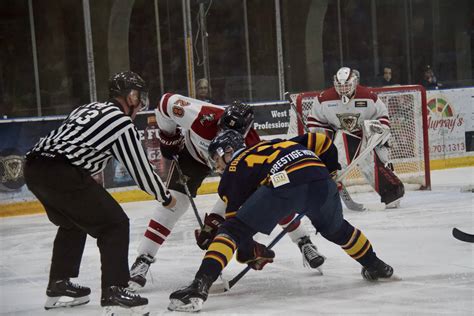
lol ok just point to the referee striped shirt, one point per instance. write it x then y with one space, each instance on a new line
94 133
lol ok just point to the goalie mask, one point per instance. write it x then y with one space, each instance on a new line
345 83
122 83
228 141
238 116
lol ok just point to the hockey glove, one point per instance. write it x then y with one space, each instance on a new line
205 236
171 145
256 257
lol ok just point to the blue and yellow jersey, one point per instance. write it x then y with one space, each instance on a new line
276 163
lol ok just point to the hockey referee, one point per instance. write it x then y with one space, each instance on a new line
58 171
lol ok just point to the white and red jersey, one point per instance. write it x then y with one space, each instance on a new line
198 121
329 112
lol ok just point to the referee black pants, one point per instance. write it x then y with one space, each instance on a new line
78 205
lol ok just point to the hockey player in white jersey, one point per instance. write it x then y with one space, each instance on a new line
356 117
187 126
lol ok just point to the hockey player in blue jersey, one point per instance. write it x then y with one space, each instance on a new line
260 185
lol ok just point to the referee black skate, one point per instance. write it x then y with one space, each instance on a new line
58 171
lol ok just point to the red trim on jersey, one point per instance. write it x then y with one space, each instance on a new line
384 120
328 95
205 124
252 138
164 104
365 93
362 92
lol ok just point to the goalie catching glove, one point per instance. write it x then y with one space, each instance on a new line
206 234
256 256
171 145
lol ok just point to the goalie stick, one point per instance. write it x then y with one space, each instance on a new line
462 236
345 196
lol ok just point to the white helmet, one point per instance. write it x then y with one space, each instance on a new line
345 83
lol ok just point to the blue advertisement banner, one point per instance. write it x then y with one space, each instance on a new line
19 136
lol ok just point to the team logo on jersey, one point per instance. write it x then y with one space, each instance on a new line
348 121
360 104
207 118
178 111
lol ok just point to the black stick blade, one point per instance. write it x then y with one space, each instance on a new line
460 235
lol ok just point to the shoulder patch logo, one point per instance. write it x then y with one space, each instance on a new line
360 104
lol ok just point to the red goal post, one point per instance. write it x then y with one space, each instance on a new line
408 113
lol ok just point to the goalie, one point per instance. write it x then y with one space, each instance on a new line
358 122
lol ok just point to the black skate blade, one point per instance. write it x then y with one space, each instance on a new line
194 305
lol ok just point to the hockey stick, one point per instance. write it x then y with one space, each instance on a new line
218 287
184 181
345 196
462 236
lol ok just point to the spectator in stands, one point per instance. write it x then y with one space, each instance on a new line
429 80
203 90
387 78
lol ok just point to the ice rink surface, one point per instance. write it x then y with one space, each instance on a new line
437 270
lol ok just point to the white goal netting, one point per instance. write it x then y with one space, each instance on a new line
409 142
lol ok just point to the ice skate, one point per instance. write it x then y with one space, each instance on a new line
379 270
117 300
64 293
394 204
190 298
138 272
311 257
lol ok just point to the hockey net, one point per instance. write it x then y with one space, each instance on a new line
409 150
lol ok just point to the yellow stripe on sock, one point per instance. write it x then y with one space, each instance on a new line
222 248
212 256
358 245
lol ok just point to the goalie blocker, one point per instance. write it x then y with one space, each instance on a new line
373 164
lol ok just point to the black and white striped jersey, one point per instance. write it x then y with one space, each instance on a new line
96 132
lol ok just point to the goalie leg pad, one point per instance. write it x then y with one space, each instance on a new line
387 184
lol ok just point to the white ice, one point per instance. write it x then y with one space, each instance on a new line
437 270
